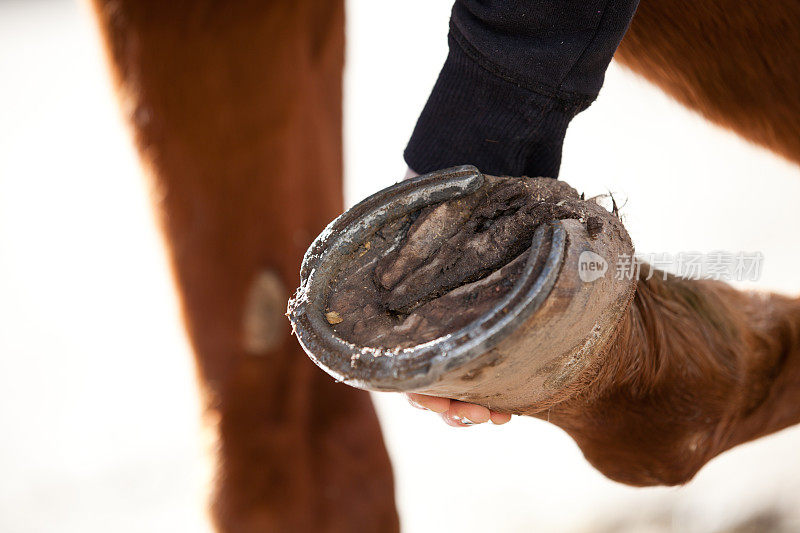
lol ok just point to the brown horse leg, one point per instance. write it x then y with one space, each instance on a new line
697 368
651 377
236 110
734 62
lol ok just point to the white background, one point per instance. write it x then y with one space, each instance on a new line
100 426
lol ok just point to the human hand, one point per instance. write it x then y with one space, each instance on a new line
455 413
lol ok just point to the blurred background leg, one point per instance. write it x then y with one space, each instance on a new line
733 62
236 111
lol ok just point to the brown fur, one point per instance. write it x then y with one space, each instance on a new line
697 368
735 62
236 109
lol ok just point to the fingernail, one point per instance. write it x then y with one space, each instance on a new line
464 420
418 406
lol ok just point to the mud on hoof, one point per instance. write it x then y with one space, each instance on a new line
462 285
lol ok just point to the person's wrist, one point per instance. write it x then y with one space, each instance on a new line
410 173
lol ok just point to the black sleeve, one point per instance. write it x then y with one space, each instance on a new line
518 71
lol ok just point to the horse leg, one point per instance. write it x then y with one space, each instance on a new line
236 111
734 62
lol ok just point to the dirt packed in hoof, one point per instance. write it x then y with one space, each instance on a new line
436 270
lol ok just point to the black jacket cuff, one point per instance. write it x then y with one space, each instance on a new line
481 118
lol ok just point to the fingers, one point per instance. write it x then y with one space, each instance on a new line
456 413
431 403
498 419
462 414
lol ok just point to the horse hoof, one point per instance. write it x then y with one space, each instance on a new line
498 291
